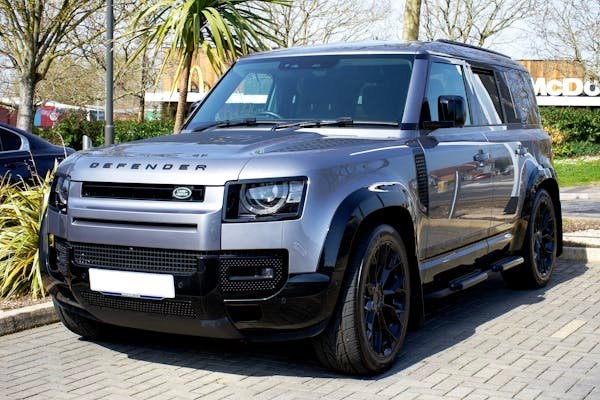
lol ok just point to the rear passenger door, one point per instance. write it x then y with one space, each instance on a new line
508 139
459 164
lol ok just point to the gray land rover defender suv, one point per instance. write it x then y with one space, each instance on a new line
319 192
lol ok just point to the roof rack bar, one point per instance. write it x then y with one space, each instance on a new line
471 47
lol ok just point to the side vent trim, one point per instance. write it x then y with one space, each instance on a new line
422 179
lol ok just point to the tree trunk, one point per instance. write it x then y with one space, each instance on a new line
412 16
143 79
26 107
184 81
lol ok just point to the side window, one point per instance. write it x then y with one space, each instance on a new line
10 141
488 96
507 101
445 79
249 98
524 99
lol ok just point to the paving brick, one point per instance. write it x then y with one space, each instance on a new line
486 343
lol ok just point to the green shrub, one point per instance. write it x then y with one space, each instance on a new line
73 126
21 210
572 124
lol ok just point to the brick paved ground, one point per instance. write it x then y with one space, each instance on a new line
487 343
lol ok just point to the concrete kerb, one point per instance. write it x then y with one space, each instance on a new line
19 319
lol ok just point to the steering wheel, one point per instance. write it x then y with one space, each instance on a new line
270 114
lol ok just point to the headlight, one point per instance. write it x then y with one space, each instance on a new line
266 200
59 196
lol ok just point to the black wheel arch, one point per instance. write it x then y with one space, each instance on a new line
355 217
540 178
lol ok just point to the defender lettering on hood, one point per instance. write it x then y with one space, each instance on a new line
149 166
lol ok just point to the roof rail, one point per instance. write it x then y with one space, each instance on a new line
471 47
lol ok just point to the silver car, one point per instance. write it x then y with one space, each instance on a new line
320 192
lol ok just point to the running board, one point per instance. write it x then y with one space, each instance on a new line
475 277
458 284
507 263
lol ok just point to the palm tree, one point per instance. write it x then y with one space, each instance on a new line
223 29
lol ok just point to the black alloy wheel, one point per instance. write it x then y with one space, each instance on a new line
539 248
384 300
368 327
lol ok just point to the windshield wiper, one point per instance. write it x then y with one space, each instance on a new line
231 122
344 121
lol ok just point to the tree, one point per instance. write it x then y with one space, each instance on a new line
412 17
223 29
473 21
33 37
574 33
308 22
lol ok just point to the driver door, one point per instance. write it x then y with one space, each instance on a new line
459 165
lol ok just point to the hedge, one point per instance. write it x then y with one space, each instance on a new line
574 131
73 126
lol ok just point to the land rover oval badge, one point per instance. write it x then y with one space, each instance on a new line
182 193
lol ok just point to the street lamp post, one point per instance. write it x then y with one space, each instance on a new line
109 130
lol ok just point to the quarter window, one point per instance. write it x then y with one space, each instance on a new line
489 98
524 99
445 79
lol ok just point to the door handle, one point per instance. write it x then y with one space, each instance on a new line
14 165
482 157
521 150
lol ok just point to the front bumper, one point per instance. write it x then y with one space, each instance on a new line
203 306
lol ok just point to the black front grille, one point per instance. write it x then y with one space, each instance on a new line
241 273
252 275
176 308
136 258
139 191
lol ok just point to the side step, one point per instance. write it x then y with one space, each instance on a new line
475 277
458 284
507 263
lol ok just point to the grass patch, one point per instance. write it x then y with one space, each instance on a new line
578 171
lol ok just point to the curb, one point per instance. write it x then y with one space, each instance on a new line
583 254
574 196
19 319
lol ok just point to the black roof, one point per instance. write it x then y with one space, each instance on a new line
438 47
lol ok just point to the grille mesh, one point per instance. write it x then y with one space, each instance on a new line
240 276
176 308
136 258
239 272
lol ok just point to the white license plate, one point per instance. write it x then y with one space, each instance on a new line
132 284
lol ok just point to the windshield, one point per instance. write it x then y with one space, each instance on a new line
365 88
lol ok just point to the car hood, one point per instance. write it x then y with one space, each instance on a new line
210 158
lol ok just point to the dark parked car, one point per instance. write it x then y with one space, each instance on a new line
23 155
321 192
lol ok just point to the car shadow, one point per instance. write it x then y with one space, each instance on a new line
448 322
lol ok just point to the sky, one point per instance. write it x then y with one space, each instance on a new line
518 41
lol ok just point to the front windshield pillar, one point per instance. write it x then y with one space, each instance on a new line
416 93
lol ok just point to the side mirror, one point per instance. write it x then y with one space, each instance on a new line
452 109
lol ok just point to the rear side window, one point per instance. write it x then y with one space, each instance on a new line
507 101
488 95
445 79
524 100
10 141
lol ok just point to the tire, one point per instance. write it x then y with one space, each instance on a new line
539 249
368 327
85 327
